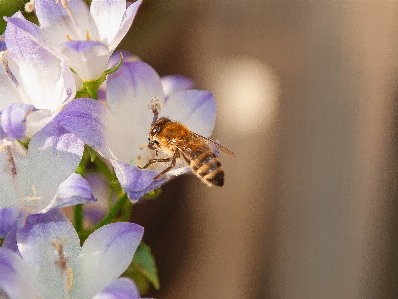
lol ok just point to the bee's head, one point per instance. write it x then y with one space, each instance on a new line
156 129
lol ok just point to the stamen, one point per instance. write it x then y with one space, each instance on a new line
33 198
4 61
70 14
155 106
88 35
68 37
30 6
70 279
66 272
6 146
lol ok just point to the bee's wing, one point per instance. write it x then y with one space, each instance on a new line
214 145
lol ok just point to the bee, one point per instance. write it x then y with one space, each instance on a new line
176 140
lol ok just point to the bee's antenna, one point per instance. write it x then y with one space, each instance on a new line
155 106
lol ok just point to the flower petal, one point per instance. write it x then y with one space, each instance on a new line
194 108
38 72
8 90
137 182
107 15
129 91
3 46
53 156
73 191
122 288
36 120
8 182
87 58
86 119
125 25
127 57
105 255
17 280
10 217
31 30
10 241
174 83
37 244
13 119
56 21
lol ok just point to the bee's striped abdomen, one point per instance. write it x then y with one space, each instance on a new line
207 167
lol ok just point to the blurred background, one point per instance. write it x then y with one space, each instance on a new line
306 95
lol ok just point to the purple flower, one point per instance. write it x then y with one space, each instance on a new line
44 260
42 177
34 84
85 37
119 130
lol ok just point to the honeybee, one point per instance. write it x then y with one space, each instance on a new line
176 140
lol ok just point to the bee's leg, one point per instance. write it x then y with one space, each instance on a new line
153 161
173 163
185 158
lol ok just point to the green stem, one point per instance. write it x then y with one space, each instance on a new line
79 218
113 212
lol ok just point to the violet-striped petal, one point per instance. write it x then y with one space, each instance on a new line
174 83
13 119
86 119
73 191
10 217
10 241
125 24
3 46
54 154
137 182
122 288
17 280
32 177
127 57
37 243
37 71
105 255
194 108
31 30
107 16
57 23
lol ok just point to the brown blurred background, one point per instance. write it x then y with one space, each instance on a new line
306 96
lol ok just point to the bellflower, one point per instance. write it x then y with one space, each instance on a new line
44 260
34 84
119 130
85 37
42 177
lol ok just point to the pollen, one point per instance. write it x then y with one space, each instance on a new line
88 35
6 146
70 279
30 6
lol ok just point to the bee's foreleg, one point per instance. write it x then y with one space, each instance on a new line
173 163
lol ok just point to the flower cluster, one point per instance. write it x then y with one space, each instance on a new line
74 124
